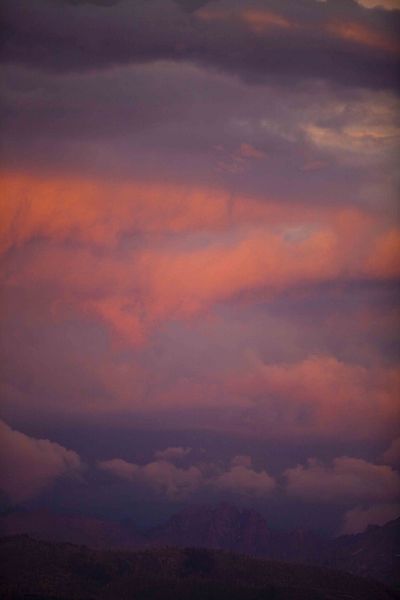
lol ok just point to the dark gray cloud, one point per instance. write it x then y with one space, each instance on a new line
96 2
192 5
188 5
180 121
340 40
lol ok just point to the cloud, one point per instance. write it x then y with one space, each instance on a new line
385 4
135 271
29 465
313 396
384 259
248 151
241 478
242 460
178 483
356 520
172 454
123 140
360 34
273 43
154 266
214 245
355 145
82 210
347 480
392 455
161 475
257 20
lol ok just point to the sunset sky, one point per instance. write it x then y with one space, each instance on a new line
200 251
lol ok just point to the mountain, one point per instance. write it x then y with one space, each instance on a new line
222 526
245 531
36 570
374 553
75 529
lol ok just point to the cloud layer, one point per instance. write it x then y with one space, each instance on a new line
276 40
180 483
347 480
29 465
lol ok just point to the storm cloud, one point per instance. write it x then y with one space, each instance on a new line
258 41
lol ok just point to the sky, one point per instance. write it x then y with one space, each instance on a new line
199 251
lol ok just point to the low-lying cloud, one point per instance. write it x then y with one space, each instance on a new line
178 483
29 466
356 520
346 480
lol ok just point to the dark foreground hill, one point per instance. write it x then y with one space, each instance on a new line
33 570
374 553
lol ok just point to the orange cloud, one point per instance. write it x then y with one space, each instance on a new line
359 34
187 282
248 151
386 4
146 287
257 20
129 253
384 259
261 20
100 212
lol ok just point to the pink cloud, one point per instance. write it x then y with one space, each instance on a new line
346 480
178 483
29 465
84 210
250 250
359 518
161 475
249 151
386 4
162 278
317 393
365 36
384 259
241 478
256 20
261 21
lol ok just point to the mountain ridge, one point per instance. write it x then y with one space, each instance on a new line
374 552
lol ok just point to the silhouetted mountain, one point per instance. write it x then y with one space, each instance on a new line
88 531
223 526
245 531
374 553
47 571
